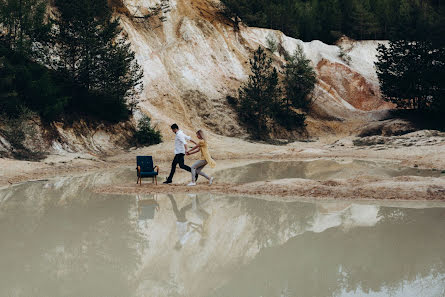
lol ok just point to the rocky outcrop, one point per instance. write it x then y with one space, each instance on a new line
39 138
195 58
391 127
351 86
419 138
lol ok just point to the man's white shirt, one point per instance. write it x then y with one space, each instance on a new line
181 140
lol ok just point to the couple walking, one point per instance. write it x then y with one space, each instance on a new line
181 150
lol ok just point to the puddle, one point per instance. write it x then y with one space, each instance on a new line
317 170
58 238
271 170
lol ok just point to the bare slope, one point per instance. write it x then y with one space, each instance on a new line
194 59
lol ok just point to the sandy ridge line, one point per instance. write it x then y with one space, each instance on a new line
362 188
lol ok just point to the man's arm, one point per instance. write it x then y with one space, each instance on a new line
188 138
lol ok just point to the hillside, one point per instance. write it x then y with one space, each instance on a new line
193 59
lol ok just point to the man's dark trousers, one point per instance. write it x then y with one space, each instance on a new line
179 159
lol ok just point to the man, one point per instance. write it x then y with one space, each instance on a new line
180 150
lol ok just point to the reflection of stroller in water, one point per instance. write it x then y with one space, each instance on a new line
184 227
147 208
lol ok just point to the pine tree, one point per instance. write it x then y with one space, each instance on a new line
328 19
405 28
364 23
438 30
258 96
95 55
9 98
411 74
22 24
26 84
331 18
299 82
310 26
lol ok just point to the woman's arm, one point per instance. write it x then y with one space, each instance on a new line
194 150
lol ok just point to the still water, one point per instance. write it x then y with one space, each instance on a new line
318 170
58 238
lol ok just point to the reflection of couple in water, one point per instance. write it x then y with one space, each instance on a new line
181 150
186 228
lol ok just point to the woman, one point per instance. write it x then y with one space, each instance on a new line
206 159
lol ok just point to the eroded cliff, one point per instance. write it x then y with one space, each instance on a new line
194 58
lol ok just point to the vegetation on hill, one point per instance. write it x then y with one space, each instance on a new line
23 25
299 80
327 20
258 96
94 55
24 83
412 75
265 100
78 63
146 134
73 64
410 70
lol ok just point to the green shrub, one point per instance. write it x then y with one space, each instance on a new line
272 43
343 55
146 134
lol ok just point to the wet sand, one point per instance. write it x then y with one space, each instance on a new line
418 150
361 188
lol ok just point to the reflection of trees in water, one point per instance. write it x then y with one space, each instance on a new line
75 246
323 264
275 220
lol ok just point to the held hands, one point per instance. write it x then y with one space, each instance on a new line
192 151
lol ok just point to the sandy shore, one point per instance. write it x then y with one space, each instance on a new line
362 188
421 149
